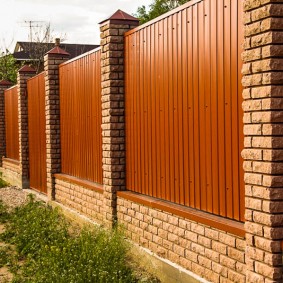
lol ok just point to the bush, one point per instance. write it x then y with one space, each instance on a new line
4 215
3 183
51 254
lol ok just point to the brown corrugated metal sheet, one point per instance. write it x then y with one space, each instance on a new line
11 123
183 107
80 112
36 131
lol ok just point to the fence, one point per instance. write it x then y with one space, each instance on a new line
180 191
183 108
11 123
80 110
36 132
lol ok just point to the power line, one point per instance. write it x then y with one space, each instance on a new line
32 24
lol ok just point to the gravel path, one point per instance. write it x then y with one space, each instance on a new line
12 196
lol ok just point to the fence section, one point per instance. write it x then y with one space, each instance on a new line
80 112
36 132
11 123
183 108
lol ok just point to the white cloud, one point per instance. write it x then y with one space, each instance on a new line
77 18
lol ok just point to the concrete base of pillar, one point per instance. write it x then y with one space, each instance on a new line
14 178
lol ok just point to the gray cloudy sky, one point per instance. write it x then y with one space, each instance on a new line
77 18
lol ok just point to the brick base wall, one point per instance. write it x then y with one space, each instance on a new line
11 173
11 166
210 253
84 200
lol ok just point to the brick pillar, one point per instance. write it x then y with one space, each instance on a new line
112 84
24 74
263 129
3 85
52 60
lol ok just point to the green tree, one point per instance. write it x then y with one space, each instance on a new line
157 8
8 67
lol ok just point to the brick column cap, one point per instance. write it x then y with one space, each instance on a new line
58 51
27 69
5 83
120 17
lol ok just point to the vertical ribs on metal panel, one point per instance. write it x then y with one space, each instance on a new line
80 117
36 131
11 123
183 107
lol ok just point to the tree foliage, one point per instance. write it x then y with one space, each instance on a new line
8 67
157 8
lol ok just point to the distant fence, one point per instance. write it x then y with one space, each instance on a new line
183 108
80 112
36 132
11 123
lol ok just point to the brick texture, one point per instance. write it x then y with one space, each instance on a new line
210 253
113 127
263 130
52 114
24 74
83 200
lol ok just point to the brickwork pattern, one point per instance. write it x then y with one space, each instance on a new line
2 122
113 126
263 129
83 200
52 115
22 78
11 167
208 252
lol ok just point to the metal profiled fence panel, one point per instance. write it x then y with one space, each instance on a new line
36 131
80 114
183 107
12 123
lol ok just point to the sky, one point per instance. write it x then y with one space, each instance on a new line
75 20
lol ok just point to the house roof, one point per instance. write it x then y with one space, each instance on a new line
22 49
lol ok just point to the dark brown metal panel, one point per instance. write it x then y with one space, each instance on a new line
183 107
201 93
228 106
214 111
36 131
234 119
11 123
190 146
207 108
195 94
221 107
166 137
81 117
240 42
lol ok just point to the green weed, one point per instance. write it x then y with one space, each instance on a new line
4 215
2 182
51 254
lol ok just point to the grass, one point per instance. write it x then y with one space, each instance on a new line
2 182
45 251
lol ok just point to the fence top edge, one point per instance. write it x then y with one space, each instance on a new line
166 15
80 56
37 75
11 88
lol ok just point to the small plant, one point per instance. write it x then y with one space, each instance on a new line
7 256
50 254
34 225
4 215
2 182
